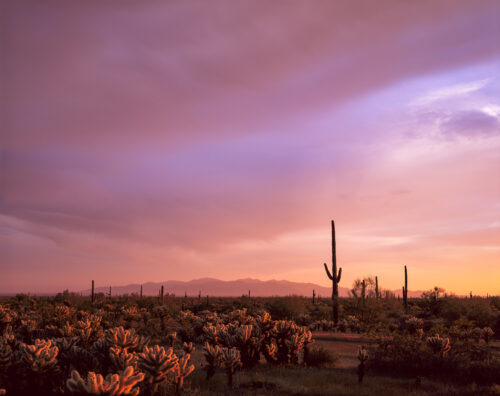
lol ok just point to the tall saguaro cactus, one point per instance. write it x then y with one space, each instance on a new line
376 287
335 278
405 291
93 295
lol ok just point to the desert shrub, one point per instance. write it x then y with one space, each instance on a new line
434 356
319 357
289 308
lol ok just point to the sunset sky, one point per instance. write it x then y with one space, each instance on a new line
152 141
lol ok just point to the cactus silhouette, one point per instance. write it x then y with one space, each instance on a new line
334 277
405 291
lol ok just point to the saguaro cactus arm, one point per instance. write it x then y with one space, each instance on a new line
328 272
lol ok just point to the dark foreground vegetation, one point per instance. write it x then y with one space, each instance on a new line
132 345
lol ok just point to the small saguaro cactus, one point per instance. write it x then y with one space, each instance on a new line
335 278
363 290
362 357
314 296
405 291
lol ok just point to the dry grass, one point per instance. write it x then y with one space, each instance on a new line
266 380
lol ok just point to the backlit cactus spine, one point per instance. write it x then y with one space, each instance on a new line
335 278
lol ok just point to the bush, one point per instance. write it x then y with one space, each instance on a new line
319 357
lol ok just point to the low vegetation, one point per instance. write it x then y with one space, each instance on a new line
133 345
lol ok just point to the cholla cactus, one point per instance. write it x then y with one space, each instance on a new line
362 357
5 317
487 334
265 325
438 344
5 355
211 333
181 371
307 340
213 356
3 392
295 343
413 324
188 348
123 383
61 312
157 363
122 338
121 358
40 357
362 354
89 329
476 333
171 338
231 360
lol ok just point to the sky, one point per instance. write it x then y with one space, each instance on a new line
153 141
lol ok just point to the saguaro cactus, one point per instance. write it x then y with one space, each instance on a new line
376 287
93 295
314 296
335 278
405 291
141 291
161 294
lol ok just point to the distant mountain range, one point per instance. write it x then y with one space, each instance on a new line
234 288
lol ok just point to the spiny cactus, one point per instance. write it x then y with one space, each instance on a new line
5 355
213 356
188 348
122 338
123 383
89 329
231 361
171 338
334 277
3 392
362 357
181 371
157 362
439 345
121 358
487 334
40 357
